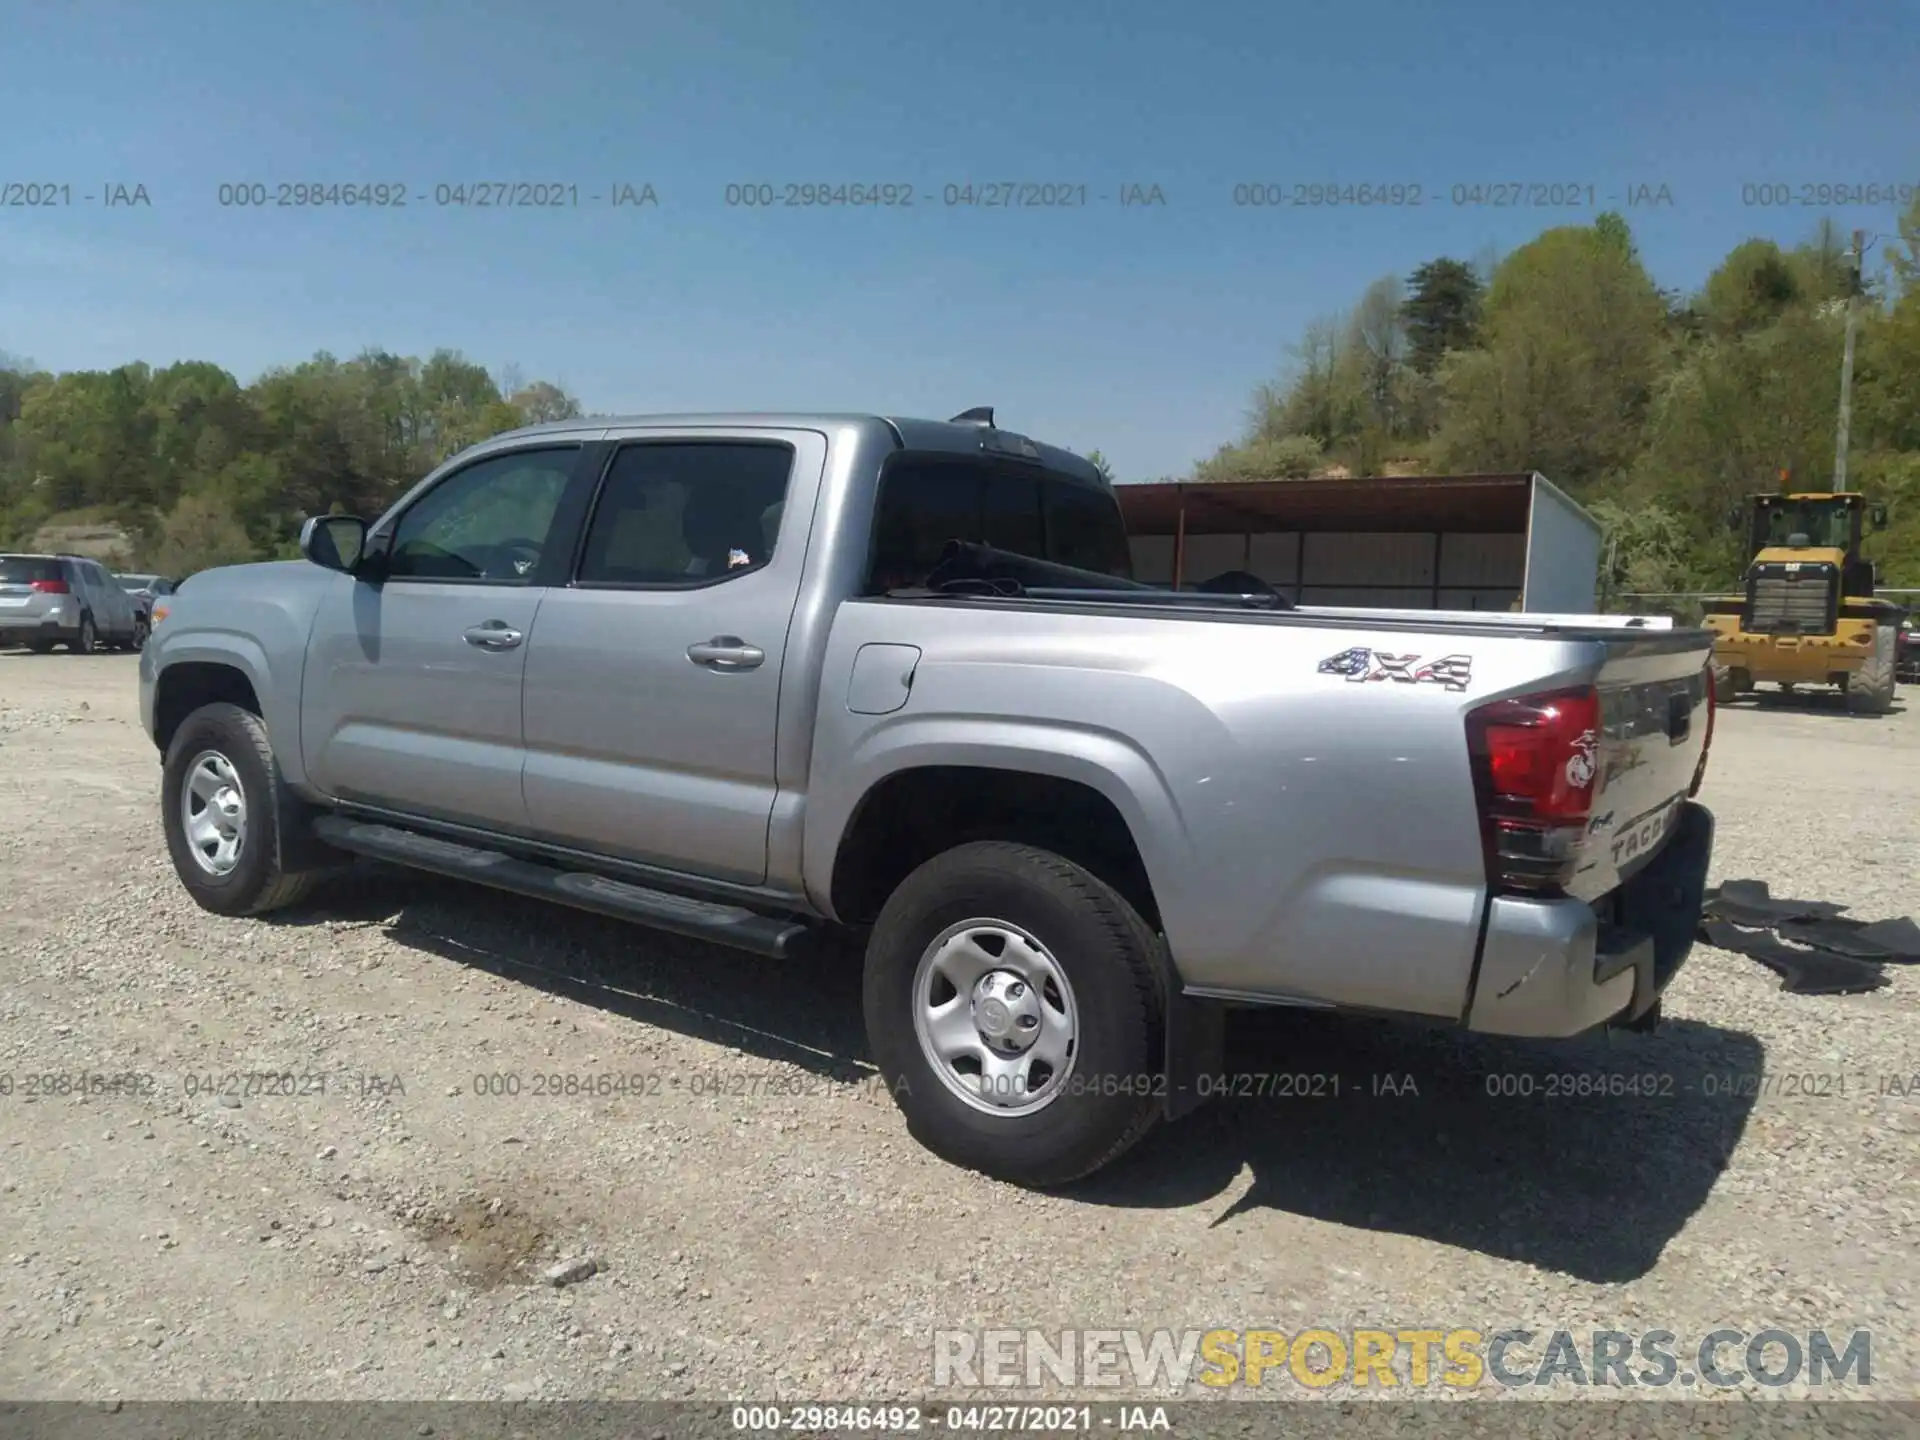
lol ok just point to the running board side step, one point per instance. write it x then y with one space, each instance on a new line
733 925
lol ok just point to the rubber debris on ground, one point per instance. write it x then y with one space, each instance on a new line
1812 945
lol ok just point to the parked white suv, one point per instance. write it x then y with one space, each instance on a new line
48 600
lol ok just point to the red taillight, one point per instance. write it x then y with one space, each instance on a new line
1535 766
50 587
1700 770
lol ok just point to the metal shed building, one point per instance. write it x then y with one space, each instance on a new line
1425 542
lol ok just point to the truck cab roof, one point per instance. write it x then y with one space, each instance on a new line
956 436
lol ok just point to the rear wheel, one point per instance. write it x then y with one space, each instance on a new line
220 792
140 627
1870 689
40 647
1014 1006
1724 686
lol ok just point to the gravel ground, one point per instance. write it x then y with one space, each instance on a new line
386 1238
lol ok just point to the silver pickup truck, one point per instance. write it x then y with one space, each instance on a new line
758 677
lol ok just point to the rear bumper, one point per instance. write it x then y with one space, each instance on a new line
1554 968
19 629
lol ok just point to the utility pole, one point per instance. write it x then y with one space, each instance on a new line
1846 363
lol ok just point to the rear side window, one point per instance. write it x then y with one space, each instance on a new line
925 502
1010 516
687 513
1084 529
25 569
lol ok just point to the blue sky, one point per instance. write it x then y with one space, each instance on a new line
1137 330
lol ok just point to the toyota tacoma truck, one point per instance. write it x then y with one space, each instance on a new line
759 678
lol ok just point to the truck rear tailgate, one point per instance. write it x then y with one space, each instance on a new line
1655 720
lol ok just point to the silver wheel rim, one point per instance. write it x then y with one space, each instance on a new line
213 813
995 1017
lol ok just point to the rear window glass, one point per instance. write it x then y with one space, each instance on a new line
1084 529
927 501
25 569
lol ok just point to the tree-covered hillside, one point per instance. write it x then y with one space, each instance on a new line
1659 410
196 469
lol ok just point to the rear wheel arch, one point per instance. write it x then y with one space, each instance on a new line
910 815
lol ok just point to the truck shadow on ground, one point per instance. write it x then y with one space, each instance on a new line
1581 1157
1584 1157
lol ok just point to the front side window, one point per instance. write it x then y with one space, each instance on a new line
687 513
488 522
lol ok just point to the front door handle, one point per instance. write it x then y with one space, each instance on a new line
726 652
494 635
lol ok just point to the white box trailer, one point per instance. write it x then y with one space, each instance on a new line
1405 542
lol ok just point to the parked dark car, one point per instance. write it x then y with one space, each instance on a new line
1906 654
145 589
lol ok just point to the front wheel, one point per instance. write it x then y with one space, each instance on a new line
1870 689
1014 1006
141 627
87 640
220 792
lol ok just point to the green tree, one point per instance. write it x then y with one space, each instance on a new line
198 534
1643 550
1573 336
1756 284
1741 409
1285 457
541 403
1442 311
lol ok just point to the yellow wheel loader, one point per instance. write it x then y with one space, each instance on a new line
1809 616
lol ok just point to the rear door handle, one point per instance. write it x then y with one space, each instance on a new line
726 652
494 635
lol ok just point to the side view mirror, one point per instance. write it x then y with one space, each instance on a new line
1877 517
334 542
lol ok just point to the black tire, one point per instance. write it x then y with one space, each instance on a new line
1113 1090
1724 686
40 647
256 883
87 640
1870 689
137 641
